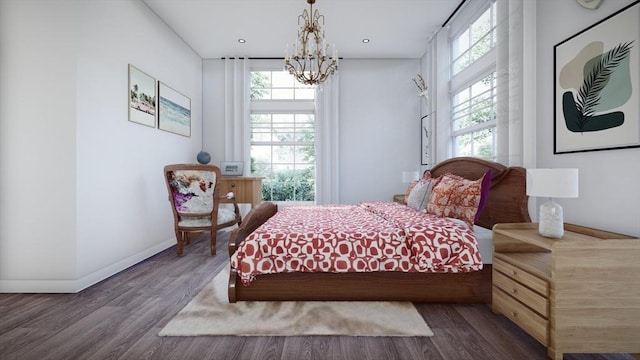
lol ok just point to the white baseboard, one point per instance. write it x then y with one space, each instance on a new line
74 286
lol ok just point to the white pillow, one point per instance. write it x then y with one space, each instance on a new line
419 195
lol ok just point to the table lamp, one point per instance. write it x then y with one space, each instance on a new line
552 183
409 176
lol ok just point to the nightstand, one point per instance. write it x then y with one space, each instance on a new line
577 294
247 189
399 198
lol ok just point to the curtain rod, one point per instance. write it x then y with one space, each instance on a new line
454 12
253 58
261 58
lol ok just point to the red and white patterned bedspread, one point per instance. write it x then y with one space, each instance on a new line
372 236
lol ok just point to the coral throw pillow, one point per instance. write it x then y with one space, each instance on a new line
456 197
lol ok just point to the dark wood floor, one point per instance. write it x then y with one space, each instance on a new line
120 318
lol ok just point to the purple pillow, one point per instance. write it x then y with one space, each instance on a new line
484 192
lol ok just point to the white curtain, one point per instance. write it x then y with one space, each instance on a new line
441 81
237 78
515 71
327 141
515 55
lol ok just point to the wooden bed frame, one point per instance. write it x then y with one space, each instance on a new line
507 202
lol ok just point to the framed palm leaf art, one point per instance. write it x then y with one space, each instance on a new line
597 80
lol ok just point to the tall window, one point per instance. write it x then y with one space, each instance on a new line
474 114
282 136
473 87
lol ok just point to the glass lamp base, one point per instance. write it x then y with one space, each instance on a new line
551 222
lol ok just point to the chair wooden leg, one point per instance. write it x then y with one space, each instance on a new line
213 242
180 244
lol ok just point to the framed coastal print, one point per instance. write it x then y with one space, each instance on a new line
174 113
597 80
142 97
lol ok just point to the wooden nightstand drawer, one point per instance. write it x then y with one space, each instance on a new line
585 283
533 282
534 324
246 189
535 301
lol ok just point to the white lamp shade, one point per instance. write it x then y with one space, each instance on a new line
552 183
409 176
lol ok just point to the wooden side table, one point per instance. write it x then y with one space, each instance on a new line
248 189
399 198
577 294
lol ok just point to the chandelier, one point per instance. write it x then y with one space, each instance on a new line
310 64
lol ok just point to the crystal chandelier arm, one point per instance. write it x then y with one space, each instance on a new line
310 64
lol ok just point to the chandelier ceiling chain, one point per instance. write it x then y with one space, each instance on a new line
310 64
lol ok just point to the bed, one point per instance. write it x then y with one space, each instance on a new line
506 202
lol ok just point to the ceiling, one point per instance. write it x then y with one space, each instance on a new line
396 28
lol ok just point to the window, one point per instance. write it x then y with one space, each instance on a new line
473 87
282 139
473 115
278 85
475 41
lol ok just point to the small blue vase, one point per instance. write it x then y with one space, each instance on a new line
203 157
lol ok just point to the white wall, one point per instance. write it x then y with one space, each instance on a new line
81 192
37 139
379 124
379 127
609 193
213 108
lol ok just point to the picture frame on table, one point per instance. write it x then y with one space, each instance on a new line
174 111
596 82
142 97
232 168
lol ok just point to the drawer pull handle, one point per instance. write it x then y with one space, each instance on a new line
233 185
513 314
513 291
514 273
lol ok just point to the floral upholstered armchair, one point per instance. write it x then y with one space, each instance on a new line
194 194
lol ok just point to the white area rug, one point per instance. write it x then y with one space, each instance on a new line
210 313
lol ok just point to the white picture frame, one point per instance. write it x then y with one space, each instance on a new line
142 97
232 168
174 111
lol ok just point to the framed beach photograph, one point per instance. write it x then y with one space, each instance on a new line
174 113
142 97
596 83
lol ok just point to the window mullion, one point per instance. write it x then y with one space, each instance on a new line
475 128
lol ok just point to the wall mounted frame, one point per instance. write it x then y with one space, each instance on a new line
596 83
174 111
142 97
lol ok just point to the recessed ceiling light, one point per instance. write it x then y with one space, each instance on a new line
242 41
366 41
